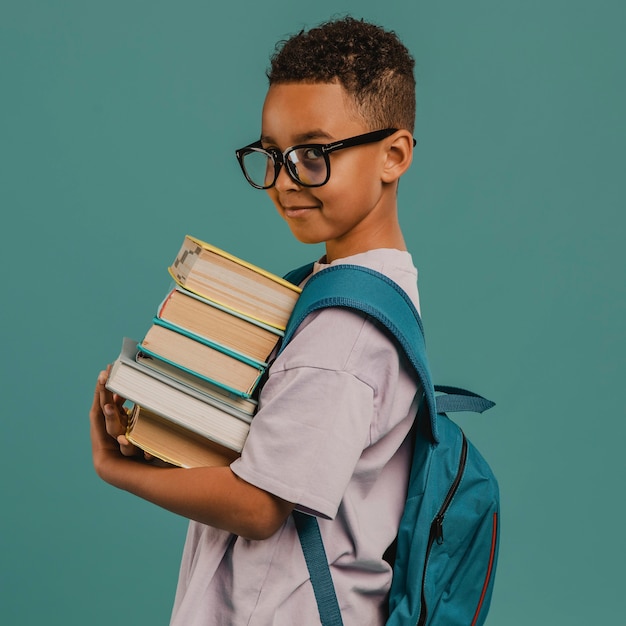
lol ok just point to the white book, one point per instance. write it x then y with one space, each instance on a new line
200 413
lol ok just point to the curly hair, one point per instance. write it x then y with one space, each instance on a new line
372 64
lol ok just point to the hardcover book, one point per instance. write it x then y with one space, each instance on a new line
173 375
178 403
172 443
236 284
204 318
201 357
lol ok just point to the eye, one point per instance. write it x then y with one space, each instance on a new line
312 153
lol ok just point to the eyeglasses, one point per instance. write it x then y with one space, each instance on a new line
307 164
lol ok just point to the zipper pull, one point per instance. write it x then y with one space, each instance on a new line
438 527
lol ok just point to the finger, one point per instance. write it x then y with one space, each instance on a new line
126 447
113 421
115 424
97 412
118 399
122 410
106 397
99 435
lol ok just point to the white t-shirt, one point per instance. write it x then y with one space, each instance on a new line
330 436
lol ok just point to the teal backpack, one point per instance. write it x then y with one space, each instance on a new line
447 545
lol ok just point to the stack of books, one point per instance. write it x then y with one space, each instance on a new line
192 377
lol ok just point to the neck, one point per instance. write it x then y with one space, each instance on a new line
389 236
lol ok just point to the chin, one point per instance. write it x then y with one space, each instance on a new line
309 240
305 237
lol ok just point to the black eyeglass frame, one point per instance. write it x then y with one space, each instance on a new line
280 158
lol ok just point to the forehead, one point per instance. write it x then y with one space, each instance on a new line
294 111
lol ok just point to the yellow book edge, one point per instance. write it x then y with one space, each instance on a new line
228 306
254 268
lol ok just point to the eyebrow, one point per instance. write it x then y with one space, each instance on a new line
317 134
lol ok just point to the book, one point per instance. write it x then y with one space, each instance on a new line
172 443
200 413
202 358
233 283
174 375
209 320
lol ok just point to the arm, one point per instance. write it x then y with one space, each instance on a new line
210 495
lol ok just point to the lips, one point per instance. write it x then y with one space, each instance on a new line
297 211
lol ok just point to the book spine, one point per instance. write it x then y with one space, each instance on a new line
164 302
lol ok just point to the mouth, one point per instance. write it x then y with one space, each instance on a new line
295 212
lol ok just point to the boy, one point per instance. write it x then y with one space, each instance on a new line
330 436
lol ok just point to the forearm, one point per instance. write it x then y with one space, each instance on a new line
210 495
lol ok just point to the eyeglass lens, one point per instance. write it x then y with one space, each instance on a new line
308 165
259 168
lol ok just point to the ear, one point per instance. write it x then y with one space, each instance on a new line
398 155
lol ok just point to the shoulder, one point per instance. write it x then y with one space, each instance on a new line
344 340
336 342
397 265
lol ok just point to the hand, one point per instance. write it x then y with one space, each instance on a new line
108 424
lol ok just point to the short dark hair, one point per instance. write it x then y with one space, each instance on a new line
371 63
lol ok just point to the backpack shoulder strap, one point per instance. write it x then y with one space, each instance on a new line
364 289
376 295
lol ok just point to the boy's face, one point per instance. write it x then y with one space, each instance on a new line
350 211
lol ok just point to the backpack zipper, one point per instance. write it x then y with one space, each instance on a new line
436 526
494 544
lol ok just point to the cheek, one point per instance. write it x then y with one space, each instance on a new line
273 196
345 196
355 172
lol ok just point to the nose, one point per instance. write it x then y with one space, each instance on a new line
284 181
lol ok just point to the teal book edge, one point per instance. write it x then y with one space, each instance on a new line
211 344
128 357
192 384
236 392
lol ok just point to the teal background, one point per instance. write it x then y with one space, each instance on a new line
118 124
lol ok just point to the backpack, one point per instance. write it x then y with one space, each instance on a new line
446 549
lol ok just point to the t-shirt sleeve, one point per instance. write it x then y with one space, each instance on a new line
309 438
315 416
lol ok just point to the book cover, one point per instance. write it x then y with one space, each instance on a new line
172 443
218 365
234 283
176 402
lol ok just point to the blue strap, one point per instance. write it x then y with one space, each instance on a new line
376 295
317 564
457 399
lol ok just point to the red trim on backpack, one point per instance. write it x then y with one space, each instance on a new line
494 537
